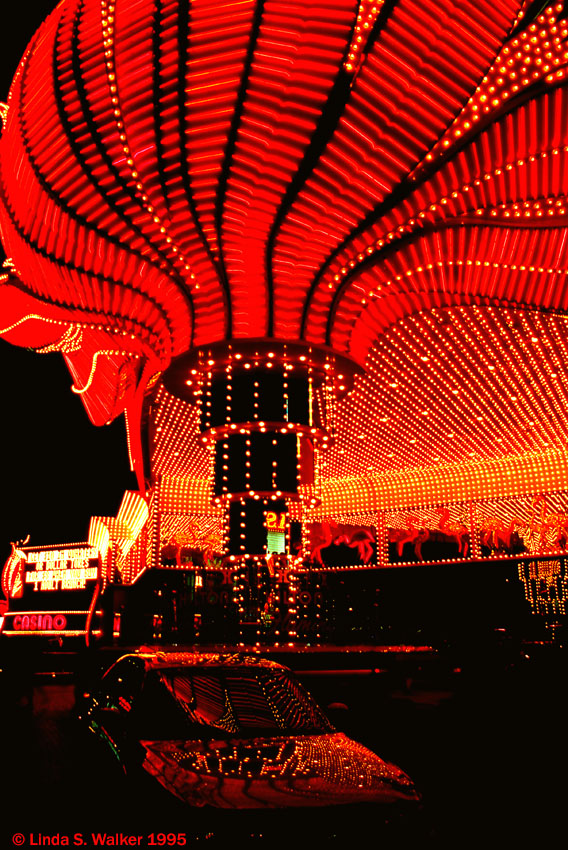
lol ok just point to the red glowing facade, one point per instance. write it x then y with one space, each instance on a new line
371 196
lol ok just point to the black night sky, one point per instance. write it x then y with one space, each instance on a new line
57 468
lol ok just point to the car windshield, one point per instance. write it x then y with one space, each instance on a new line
243 702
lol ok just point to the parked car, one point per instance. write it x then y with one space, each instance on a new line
233 731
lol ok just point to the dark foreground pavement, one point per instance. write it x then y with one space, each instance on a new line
485 743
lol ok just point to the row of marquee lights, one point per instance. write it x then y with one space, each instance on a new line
458 482
177 505
456 384
541 521
492 366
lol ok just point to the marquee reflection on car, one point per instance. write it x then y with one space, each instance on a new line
235 732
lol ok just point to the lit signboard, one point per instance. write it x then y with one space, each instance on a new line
275 521
52 591
61 569
275 532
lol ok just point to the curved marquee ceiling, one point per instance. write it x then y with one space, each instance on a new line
175 173
457 403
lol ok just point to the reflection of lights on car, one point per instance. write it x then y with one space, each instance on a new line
233 731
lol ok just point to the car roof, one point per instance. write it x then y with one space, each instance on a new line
156 660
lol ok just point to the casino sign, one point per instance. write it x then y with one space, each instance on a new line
52 591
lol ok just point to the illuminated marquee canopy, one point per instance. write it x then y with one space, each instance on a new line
383 180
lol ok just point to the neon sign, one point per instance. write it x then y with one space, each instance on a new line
41 592
39 622
275 521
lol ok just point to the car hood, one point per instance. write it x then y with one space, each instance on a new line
310 770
